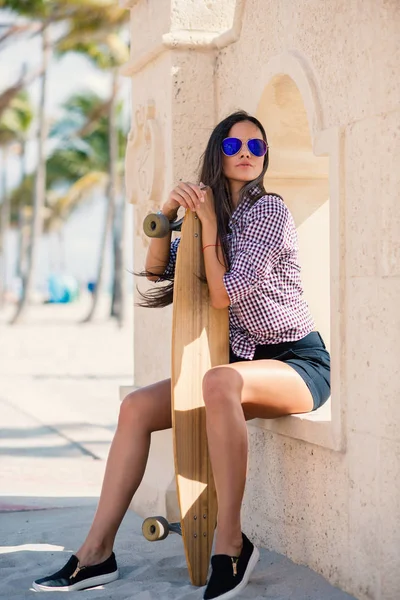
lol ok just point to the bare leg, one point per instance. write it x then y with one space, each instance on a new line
227 444
143 411
232 394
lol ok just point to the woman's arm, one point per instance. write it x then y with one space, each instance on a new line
213 256
157 257
259 247
265 241
214 264
158 254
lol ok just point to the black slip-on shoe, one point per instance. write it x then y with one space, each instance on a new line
230 574
72 577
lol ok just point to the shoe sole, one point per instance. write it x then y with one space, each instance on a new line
239 588
81 585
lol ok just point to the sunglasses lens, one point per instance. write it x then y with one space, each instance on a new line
231 146
257 147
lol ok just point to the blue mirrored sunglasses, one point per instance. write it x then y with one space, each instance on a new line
232 146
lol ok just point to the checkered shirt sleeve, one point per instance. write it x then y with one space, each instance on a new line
259 247
169 272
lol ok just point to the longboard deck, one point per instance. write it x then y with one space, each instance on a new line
200 340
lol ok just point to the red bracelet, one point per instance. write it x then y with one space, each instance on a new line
208 245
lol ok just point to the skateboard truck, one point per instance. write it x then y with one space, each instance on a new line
155 529
157 225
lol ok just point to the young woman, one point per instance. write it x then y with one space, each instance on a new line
278 364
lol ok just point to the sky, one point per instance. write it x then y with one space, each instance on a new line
81 237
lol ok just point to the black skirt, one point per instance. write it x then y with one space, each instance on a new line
308 356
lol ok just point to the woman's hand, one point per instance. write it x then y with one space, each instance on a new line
197 198
206 210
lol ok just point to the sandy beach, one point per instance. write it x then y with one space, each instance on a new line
59 402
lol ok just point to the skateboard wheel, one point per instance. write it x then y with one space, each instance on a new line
156 226
155 529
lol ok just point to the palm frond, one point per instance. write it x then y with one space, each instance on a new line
16 118
62 206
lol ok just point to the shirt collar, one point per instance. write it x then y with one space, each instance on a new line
252 193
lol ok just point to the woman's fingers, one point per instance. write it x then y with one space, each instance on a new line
178 197
196 189
188 195
192 195
203 190
184 199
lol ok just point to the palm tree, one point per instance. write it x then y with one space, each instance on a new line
7 136
111 196
26 118
84 18
99 152
107 53
87 20
40 188
119 287
23 82
79 166
14 125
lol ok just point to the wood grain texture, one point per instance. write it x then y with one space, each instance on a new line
200 340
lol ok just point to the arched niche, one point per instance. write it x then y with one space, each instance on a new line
302 179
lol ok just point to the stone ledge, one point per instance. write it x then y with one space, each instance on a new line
315 428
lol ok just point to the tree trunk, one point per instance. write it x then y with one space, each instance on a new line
111 194
61 245
115 300
118 306
40 190
4 225
24 233
22 222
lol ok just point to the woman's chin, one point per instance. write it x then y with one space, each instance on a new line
244 178
247 179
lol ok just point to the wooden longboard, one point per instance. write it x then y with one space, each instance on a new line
200 340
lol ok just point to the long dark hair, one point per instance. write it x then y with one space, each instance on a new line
211 174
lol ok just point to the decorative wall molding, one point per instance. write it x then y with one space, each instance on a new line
144 159
293 64
184 39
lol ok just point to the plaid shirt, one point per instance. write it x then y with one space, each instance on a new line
263 281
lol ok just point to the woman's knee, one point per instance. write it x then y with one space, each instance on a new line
129 409
220 384
134 411
148 408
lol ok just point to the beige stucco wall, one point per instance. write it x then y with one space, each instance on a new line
333 505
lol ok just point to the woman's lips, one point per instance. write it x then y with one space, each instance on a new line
244 166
